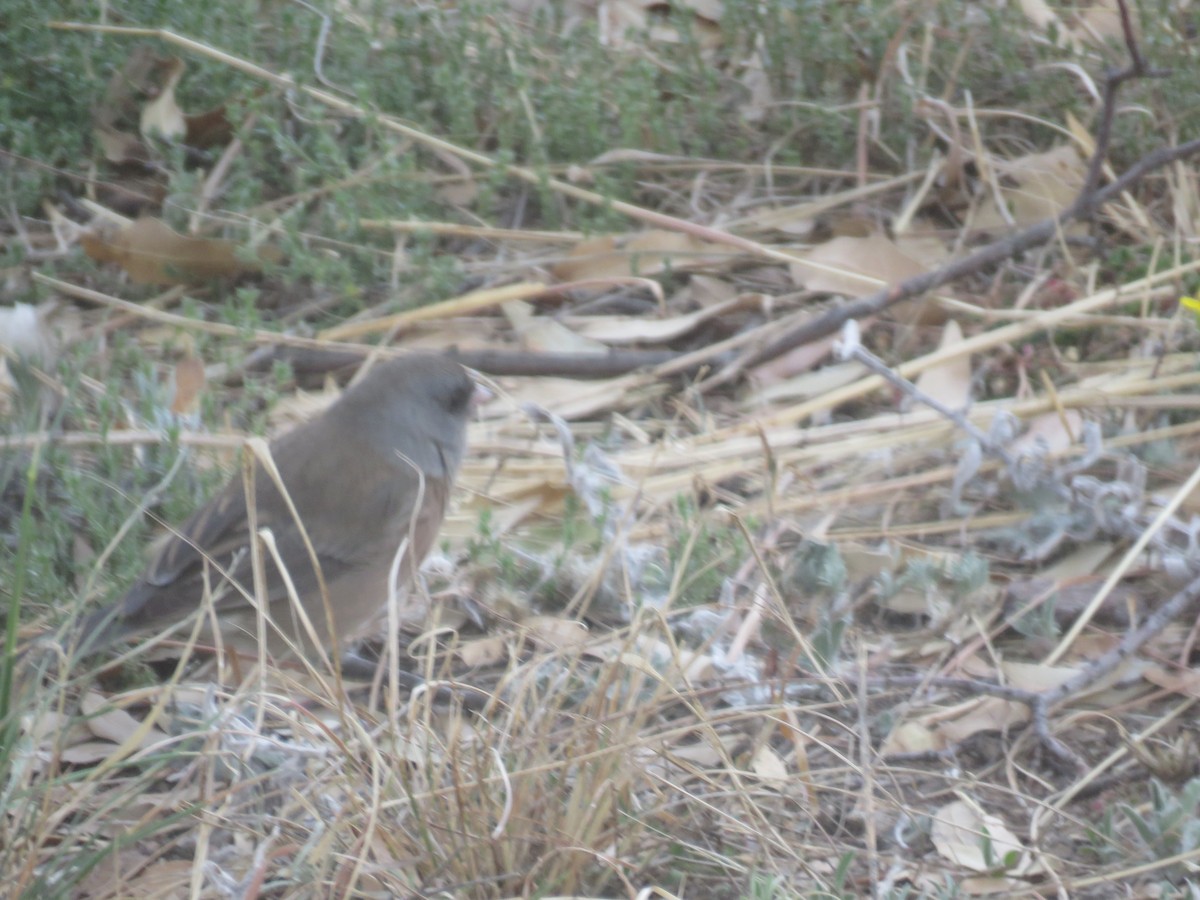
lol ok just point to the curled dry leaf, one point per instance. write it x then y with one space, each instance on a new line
151 252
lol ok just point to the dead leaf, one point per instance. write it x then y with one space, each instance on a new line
554 633
1185 681
112 724
922 244
913 737
1052 431
768 765
960 832
487 651
950 382
642 329
151 252
573 399
120 147
854 266
1100 21
543 334
813 383
644 254
984 714
137 82
189 386
208 129
162 117
1040 14
707 290
1043 185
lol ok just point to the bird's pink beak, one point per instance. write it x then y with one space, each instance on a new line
480 396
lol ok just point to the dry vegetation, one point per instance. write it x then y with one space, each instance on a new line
764 609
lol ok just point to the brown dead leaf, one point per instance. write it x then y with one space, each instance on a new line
208 129
151 252
1041 185
950 382
644 254
189 386
854 266
140 102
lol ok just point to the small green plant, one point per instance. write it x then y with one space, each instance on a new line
817 567
1171 826
826 639
1039 622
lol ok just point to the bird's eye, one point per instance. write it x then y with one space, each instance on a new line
460 397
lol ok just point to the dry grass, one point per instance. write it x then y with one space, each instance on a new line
728 616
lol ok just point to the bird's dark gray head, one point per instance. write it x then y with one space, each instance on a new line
417 405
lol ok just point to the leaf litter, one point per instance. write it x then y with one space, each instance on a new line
740 563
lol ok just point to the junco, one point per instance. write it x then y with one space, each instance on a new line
370 474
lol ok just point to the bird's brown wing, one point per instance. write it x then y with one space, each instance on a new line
344 503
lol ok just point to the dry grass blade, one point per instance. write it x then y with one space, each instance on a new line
723 606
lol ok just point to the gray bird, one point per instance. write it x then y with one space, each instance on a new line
373 472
